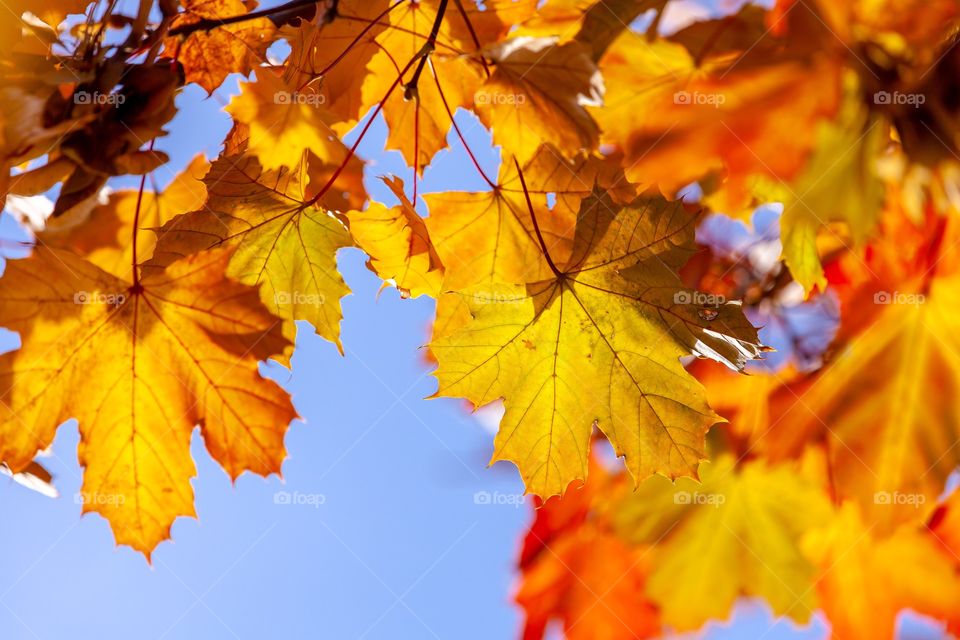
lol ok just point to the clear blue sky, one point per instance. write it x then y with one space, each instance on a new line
397 549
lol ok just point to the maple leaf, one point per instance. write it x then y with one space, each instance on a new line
877 441
334 51
597 343
839 184
458 222
139 366
538 93
575 568
399 245
102 233
594 582
282 123
209 56
915 22
736 534
513 253
863 586
285 243
418 122
735 106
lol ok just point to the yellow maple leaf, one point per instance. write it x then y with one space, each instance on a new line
283 122
597 343
334 52
285 243
736 534
538 93
139 365
512 254
839 184
399 245
460 223
418 124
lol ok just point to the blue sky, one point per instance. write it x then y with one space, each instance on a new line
382 537
374 531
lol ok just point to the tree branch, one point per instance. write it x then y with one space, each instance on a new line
208 24
410 89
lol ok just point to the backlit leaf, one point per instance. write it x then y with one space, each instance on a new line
285 244
139 365
597 344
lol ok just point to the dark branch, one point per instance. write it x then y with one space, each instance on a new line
281 15
410 89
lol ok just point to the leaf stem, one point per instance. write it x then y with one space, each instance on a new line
136 227
416 150
463 140
363 132
473 35
383 14
536 225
